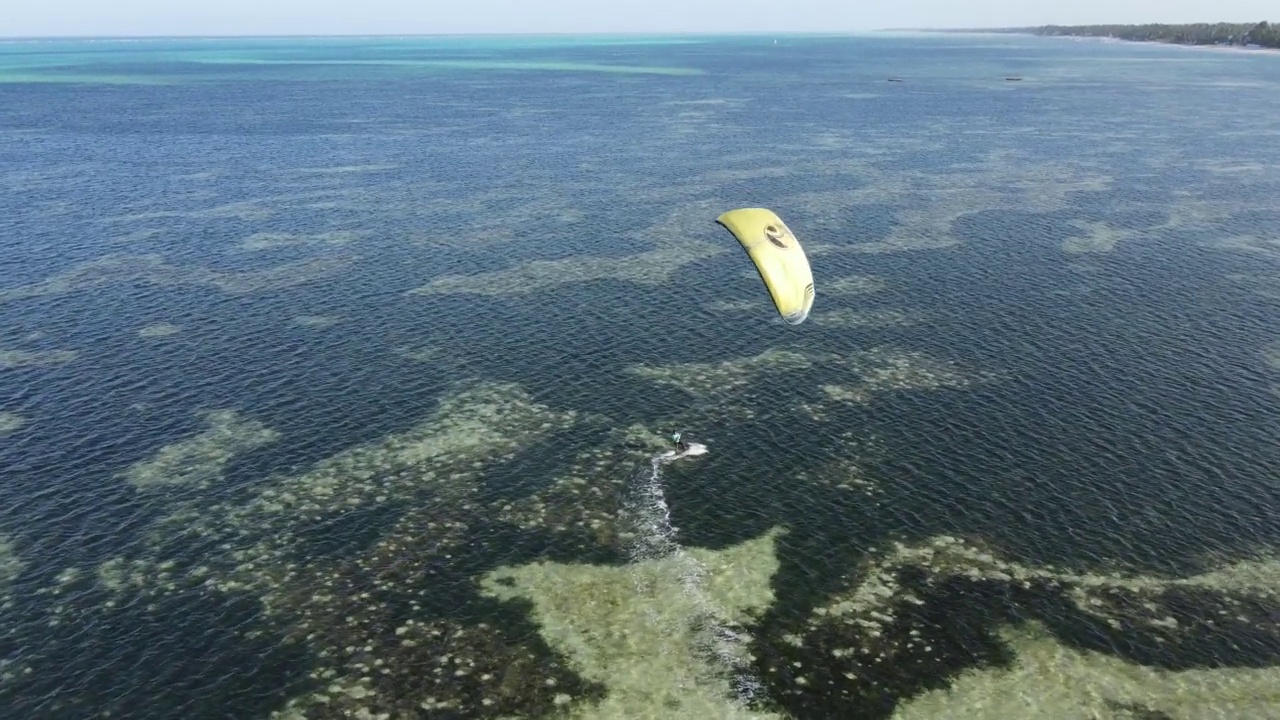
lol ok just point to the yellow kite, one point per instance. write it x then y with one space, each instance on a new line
777 256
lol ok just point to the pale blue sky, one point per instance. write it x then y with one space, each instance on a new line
323 17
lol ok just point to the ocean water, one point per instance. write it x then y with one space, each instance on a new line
335 376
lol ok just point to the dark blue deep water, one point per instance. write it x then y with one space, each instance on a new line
1098 241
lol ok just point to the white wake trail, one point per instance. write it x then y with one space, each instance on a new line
646 511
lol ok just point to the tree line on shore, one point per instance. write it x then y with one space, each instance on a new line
1262 34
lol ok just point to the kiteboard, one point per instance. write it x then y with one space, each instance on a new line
692 449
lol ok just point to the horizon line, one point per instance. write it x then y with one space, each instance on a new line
600 33
1007 29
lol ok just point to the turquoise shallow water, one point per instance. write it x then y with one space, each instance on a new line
1045 324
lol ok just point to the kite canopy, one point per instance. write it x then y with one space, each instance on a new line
777 256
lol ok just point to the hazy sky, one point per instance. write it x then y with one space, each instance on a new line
291 17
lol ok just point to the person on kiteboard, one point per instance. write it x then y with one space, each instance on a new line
680 444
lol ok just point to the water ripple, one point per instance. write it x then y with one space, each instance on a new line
290 387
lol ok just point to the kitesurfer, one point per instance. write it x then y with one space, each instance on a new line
680 445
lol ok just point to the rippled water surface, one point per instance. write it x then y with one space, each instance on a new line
335 378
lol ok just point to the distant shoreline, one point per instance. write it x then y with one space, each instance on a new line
1222 36
1244 36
